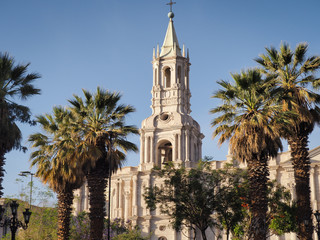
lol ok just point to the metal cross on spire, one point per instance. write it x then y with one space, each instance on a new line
171 3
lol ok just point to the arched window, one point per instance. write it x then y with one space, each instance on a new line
167 77
162 238
179 74
164 153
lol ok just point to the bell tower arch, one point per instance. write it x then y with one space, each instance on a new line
170 134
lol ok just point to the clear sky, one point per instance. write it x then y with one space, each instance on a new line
77 44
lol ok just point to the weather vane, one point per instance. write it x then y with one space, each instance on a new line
171 3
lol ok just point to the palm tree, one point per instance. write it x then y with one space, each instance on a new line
56 161
293 73
249 119
100 121
14 83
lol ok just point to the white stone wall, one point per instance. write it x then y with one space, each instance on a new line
171 128
128 186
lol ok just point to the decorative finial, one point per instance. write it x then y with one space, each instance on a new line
158 52
171 14
183 51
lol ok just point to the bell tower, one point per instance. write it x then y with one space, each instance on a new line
170 133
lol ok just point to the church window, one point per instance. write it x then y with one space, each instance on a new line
162 228
179 74
167 77
164 153
162 238
164 116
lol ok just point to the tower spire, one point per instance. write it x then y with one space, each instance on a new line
170 45
170 134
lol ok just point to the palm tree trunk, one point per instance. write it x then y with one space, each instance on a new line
258 174
97 183
2 162
65 200
301 166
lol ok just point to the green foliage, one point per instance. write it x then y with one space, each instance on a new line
233 189
134 234
15 83
43 225
101 129
238 232
252 122
80 229
294 74
282 213
43 222
43 197
80 226
188 196
204 197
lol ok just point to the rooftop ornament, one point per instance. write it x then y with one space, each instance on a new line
171 14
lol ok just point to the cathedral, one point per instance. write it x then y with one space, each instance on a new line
171 134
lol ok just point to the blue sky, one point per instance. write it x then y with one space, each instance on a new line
77 44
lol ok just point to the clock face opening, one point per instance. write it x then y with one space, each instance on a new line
164 116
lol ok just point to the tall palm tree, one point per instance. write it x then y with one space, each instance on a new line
56 161
294 75
100 121
250 121
14 83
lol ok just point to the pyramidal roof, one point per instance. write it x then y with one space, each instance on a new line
170 46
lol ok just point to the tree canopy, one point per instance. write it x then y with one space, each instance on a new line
203 198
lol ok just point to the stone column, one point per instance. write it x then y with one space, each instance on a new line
86 201
112 201
183 145
200 149
142 148
187 145
86 197
135 195
151 149
147 149
316 181
120 200
179 146
175 148
313 188
77 204
118 192
192 154
117 195
127 204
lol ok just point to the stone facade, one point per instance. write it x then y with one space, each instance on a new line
171 134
